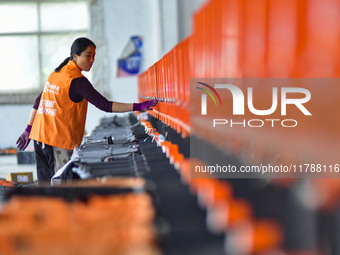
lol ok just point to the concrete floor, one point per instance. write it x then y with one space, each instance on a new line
9 164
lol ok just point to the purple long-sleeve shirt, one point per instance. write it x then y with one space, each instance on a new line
81 88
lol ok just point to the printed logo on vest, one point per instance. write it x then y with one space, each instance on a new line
50 88
46 107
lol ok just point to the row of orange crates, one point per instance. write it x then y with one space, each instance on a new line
254 39
259 39
168 81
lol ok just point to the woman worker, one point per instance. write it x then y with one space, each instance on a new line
57 120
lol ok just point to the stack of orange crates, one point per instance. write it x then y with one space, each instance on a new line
253 39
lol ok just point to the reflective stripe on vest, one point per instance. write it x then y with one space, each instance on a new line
59 121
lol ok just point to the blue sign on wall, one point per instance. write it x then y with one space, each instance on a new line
130 60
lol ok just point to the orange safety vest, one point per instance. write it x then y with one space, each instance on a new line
59 121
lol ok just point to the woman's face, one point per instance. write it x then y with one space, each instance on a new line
86 58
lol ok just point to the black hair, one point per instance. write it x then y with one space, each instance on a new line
78 46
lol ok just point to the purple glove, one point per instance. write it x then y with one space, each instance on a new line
144 105
24 139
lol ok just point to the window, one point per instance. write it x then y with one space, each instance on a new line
35 37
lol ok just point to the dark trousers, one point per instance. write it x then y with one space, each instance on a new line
45 161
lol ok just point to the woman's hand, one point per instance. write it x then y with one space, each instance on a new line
146 105
24 139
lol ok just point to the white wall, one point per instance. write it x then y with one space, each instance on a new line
185 10
122 20
168 22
